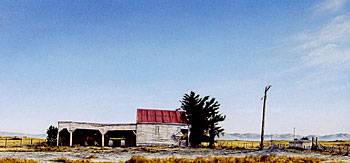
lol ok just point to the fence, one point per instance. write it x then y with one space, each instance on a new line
20 142
332 149
240 144
340 150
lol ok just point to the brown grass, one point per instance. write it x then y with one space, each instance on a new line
338 143
64 160
266 159
255 144
12 160
55 149
20 141
242 144
92 157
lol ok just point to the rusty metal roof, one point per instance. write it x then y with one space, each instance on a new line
159 116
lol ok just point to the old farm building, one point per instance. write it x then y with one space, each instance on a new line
301 144
152 128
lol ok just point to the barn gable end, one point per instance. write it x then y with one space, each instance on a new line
161 127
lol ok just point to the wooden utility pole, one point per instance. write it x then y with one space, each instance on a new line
263 118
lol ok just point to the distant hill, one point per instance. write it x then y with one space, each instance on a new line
256 137
15 134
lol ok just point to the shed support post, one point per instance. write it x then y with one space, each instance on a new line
70 138
103 140
103 132
58 138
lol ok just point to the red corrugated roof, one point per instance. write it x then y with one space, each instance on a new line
159 116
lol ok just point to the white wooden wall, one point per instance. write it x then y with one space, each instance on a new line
147 134
299 144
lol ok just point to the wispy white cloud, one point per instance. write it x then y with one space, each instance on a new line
328 46
324 52
330 55
316 78
337 31
329 6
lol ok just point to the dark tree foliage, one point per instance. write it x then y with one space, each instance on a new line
193 106
212 108
51 135
203 117
304 138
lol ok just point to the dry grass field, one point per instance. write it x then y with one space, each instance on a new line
158 154
19 141
255 144
23 141
12 160
266 159
164 154
338 143
245 144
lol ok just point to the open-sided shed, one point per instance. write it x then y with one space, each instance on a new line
153 128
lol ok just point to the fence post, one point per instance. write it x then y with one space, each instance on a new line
5 142
21 142
31 142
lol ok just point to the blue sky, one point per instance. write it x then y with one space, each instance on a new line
98 61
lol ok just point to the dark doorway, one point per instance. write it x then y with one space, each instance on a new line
120 138
184 137
64 138
85 137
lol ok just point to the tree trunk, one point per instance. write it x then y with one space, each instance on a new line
211 139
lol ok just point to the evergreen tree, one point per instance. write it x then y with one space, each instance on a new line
193 106
51 135
203 117
212 108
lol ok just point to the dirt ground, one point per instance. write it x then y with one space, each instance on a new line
122 154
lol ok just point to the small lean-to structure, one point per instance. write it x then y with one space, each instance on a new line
152 128
300 144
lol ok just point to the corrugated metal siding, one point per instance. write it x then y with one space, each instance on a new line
159 116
